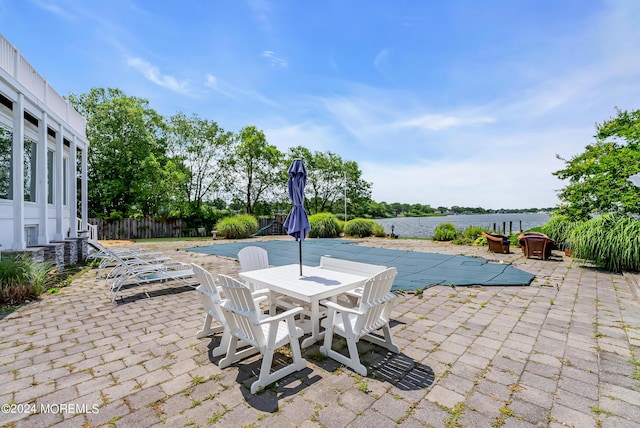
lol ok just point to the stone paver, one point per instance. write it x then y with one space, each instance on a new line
563 351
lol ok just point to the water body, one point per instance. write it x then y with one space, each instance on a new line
423 227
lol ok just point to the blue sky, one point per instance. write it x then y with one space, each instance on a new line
443 103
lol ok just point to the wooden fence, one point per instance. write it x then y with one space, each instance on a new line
141 228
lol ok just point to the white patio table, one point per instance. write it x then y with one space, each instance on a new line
314 285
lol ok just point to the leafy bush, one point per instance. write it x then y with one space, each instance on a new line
559 228
21 277
324 225
362 227
238 226
470 235
445 232
611 241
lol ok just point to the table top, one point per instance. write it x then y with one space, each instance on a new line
315 283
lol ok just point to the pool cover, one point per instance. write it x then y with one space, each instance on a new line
416 270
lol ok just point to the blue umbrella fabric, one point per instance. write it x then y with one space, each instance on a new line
297 222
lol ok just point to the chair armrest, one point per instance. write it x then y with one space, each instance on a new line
280 317
261 291
340 308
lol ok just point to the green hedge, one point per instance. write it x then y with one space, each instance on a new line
238 226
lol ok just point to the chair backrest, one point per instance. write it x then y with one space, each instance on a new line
253 258
377 301
208 291
241 312
536 246
348 266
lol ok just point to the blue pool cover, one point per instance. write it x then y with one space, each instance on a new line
416 270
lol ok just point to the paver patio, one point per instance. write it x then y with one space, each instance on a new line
559 352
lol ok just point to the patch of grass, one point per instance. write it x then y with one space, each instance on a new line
364 386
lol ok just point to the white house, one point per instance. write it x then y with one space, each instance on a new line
43 159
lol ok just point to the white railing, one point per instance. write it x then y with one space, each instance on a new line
19 68
91 228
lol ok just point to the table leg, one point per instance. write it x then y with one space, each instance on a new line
315 325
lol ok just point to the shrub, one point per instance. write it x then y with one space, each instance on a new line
324 225
238 226
21 277
378 230
611 241
361 227
470 235
445 232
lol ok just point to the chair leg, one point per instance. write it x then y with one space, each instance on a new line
206 328
387 343
231 354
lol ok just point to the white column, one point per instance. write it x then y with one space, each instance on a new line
73 191
42 182
18 174
59 190
85 188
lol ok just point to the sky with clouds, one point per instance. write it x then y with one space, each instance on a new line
461 102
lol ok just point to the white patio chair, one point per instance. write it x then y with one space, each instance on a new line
373 313
211 299
253 258
357 268
265 333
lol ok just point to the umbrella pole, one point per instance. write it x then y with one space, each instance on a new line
300 251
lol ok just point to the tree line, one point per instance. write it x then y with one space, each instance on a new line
142 164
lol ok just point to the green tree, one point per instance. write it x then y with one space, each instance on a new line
200 144
253 168
598 177
325 190
123 132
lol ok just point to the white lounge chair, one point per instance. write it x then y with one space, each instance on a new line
373 313
266 334
140 274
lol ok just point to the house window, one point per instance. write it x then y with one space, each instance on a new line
50 177
65 180
6 164
30 170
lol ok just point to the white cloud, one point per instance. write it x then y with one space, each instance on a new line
435 122
381 59
274 60
153 74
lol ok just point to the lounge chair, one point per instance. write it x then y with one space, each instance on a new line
497 243
135 274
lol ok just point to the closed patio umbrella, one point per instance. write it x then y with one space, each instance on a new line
297 222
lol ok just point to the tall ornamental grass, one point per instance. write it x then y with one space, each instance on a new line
21 277
559 228
611 241
363 227
324 225
238 226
